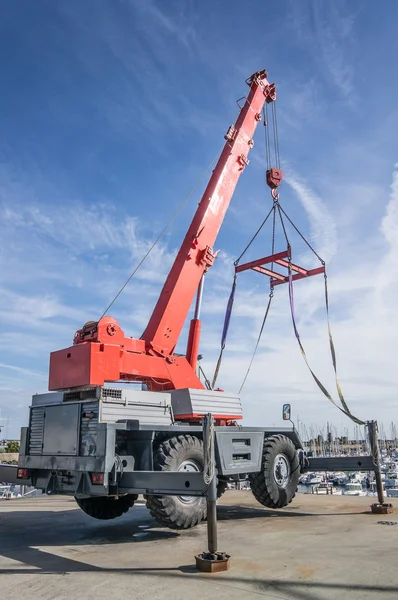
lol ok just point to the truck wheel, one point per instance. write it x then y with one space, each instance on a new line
106 507
182 453
276 484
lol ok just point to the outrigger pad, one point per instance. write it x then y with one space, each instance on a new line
212 562
382 509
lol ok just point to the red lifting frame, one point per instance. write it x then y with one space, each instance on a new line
279 259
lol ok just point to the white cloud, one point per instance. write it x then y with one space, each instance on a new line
323 227
64 258
365 329
329 30
389 229
23 371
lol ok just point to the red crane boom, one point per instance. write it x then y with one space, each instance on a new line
100 350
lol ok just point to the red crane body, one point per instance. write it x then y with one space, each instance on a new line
101 352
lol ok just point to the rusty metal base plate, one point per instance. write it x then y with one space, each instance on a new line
381 509
209 562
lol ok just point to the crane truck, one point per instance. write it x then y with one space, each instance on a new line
106 443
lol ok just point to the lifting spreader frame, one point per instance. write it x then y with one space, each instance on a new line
282 259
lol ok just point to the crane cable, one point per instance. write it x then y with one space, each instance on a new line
272 210
344 408
183 203
276 206
271 295
231 300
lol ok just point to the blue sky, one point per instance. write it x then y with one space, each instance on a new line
110 111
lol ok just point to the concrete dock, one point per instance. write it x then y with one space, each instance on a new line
320 547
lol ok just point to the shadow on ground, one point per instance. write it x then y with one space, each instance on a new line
50 564
74 528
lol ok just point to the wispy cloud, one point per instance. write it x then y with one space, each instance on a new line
323 225
144 67
334 32
179 26
88 233
329 30
126 99
365 332
389 229
23 371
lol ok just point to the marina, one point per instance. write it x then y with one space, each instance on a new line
356 483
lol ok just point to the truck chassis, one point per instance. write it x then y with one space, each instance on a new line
112 443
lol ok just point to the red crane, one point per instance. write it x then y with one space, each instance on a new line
101 352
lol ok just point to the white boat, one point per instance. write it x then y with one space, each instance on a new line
315 479
353 489
343 480
336 477
358 476
325 488
306 479
391 479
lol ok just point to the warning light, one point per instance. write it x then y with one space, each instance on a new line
23 474
97 478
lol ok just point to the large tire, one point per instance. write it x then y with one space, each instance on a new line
106 507
276 484
184 452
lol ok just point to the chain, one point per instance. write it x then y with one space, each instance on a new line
253 238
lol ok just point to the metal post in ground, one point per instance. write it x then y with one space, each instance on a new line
211 561
381 506
212 516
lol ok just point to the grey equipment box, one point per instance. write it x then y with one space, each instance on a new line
115 404
190 402
54 415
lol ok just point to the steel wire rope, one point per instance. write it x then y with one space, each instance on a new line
275 125
302 237
271 295
253 238
284 228
274 134
266 134
209 467
183 203
231 302
272 210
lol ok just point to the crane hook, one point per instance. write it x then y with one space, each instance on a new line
274 194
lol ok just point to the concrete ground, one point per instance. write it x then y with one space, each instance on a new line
318 548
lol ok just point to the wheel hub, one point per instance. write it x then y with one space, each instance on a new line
188 465
282 470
